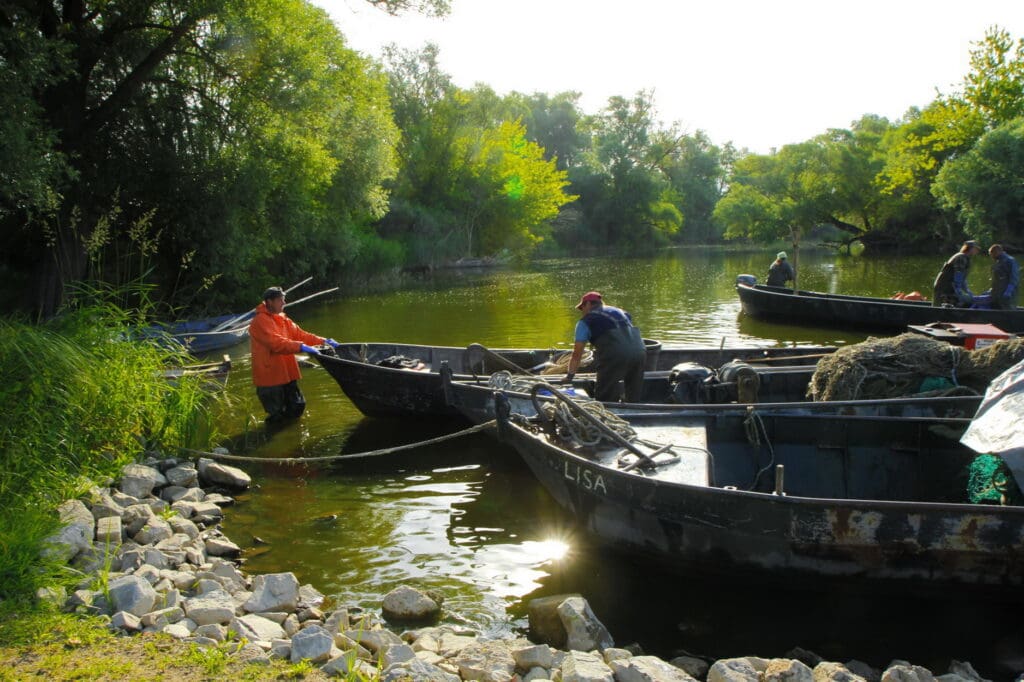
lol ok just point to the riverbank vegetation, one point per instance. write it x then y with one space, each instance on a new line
80 403
209 145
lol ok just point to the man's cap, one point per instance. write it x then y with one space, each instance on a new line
273 292
781 255
971 242
587 298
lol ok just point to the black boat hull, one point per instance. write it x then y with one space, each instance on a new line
860 312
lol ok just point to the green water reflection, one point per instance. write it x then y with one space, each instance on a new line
466 517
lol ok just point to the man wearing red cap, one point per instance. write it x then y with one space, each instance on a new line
618 349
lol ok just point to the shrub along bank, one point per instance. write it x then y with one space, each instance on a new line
79 402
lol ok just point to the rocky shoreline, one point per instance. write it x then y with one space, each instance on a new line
155 560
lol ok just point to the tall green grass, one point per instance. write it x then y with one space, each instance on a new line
78 401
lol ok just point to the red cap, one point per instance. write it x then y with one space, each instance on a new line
587 297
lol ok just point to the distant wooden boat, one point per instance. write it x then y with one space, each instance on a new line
213 372
771 495
205 335
777 304
403 380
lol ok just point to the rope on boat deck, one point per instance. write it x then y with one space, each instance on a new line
332 458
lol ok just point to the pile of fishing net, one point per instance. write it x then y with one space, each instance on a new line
560 364
910 364
991 482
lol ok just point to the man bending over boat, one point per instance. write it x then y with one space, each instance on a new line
780 271
951 283
274 340
618 349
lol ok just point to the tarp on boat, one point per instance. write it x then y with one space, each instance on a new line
997 427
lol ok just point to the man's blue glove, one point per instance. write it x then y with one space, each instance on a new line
332 343
308 349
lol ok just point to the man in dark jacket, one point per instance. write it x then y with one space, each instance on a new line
1005 278
780 271
618 349
951 282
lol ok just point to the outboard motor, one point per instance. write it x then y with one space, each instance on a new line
745 377
687 380
746 280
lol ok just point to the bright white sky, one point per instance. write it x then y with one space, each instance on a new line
758 73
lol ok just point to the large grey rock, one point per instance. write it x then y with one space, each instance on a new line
183 475
105 506
129 622
647 669
153 531
418 670
966 670
220 547
133 594
135 517
310 597
256 628
67 543
585 632
374 640
408 603
486 661
787 670
139 480
545 624
313 643
273 592
222 474
532 656
108 530
694 667
162 617
907 673
585 666
829 671
215 607
734 670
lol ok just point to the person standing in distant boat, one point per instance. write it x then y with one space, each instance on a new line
619 350
951 283
274 340
1005 278
780 271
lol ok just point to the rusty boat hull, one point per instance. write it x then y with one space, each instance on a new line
859 498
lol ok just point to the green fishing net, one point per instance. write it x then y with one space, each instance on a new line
989 481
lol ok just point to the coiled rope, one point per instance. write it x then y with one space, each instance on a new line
334 458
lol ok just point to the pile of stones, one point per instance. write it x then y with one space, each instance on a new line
155 560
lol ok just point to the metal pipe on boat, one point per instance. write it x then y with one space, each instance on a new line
780 474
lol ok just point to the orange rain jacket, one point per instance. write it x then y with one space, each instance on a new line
274 340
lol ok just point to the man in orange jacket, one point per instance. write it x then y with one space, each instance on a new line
274 340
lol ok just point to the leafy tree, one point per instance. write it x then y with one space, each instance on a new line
209 123
995 85
696 171
986 185
625 199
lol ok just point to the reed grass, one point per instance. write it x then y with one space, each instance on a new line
79 401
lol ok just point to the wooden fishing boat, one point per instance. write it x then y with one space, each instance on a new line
404 380
216 373
777 304
778 389
783 496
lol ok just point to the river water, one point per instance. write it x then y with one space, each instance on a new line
466 516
